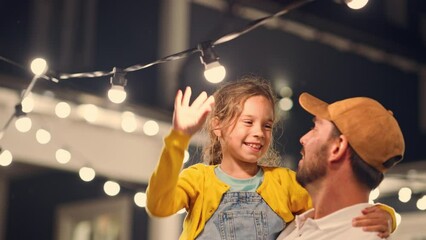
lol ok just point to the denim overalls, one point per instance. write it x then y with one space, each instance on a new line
245 216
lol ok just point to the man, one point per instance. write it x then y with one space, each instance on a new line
353 142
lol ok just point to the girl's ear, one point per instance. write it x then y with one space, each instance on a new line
216 127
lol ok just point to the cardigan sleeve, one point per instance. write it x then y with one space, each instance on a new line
299 196
165 193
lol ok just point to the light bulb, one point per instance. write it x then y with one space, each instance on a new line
62 109
117 94
28 103
404 194
87 174
39 66
285 104
23 124
214 72
128 122
398 218
151 128
356 4
118 81
5 158
89 112
140 199
111 188
63 156
43 136
421 203
374 194
185 156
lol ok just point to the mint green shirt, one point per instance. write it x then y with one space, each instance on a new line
240 185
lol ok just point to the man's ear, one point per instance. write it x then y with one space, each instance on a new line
339 147
216 127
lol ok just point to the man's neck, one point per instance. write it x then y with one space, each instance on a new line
332 196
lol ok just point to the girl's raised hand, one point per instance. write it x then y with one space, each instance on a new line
190 118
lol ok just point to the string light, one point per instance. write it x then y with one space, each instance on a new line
62 110
356 4
285 104
186 156
151 128
374 194
111 188
23 123
118 81
5 158
43 136
63 156
128 122
87 174
38 66
214 72
421 203
404 194
140 199
28 103
398 218
286 91
89 112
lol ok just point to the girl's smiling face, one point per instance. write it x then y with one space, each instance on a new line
249 137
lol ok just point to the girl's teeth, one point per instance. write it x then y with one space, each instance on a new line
254 146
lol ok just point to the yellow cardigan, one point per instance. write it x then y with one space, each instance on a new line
199 191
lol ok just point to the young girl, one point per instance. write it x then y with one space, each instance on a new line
232 197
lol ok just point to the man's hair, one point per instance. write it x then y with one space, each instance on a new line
364 173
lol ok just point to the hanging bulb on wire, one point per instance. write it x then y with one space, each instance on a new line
118 81
214 72
5 157
87 174
355 4
23 122
38 66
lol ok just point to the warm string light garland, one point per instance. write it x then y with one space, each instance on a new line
214 73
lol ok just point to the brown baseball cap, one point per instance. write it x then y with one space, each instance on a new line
371 130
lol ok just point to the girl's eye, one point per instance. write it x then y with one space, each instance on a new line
268 126
247 121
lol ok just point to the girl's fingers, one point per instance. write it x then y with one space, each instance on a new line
178 100
206 107
186 97
369 210
199 100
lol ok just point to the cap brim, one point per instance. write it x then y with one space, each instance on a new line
314 105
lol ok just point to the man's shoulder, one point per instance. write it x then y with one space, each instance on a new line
350 233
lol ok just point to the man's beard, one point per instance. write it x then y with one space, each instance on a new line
314 168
